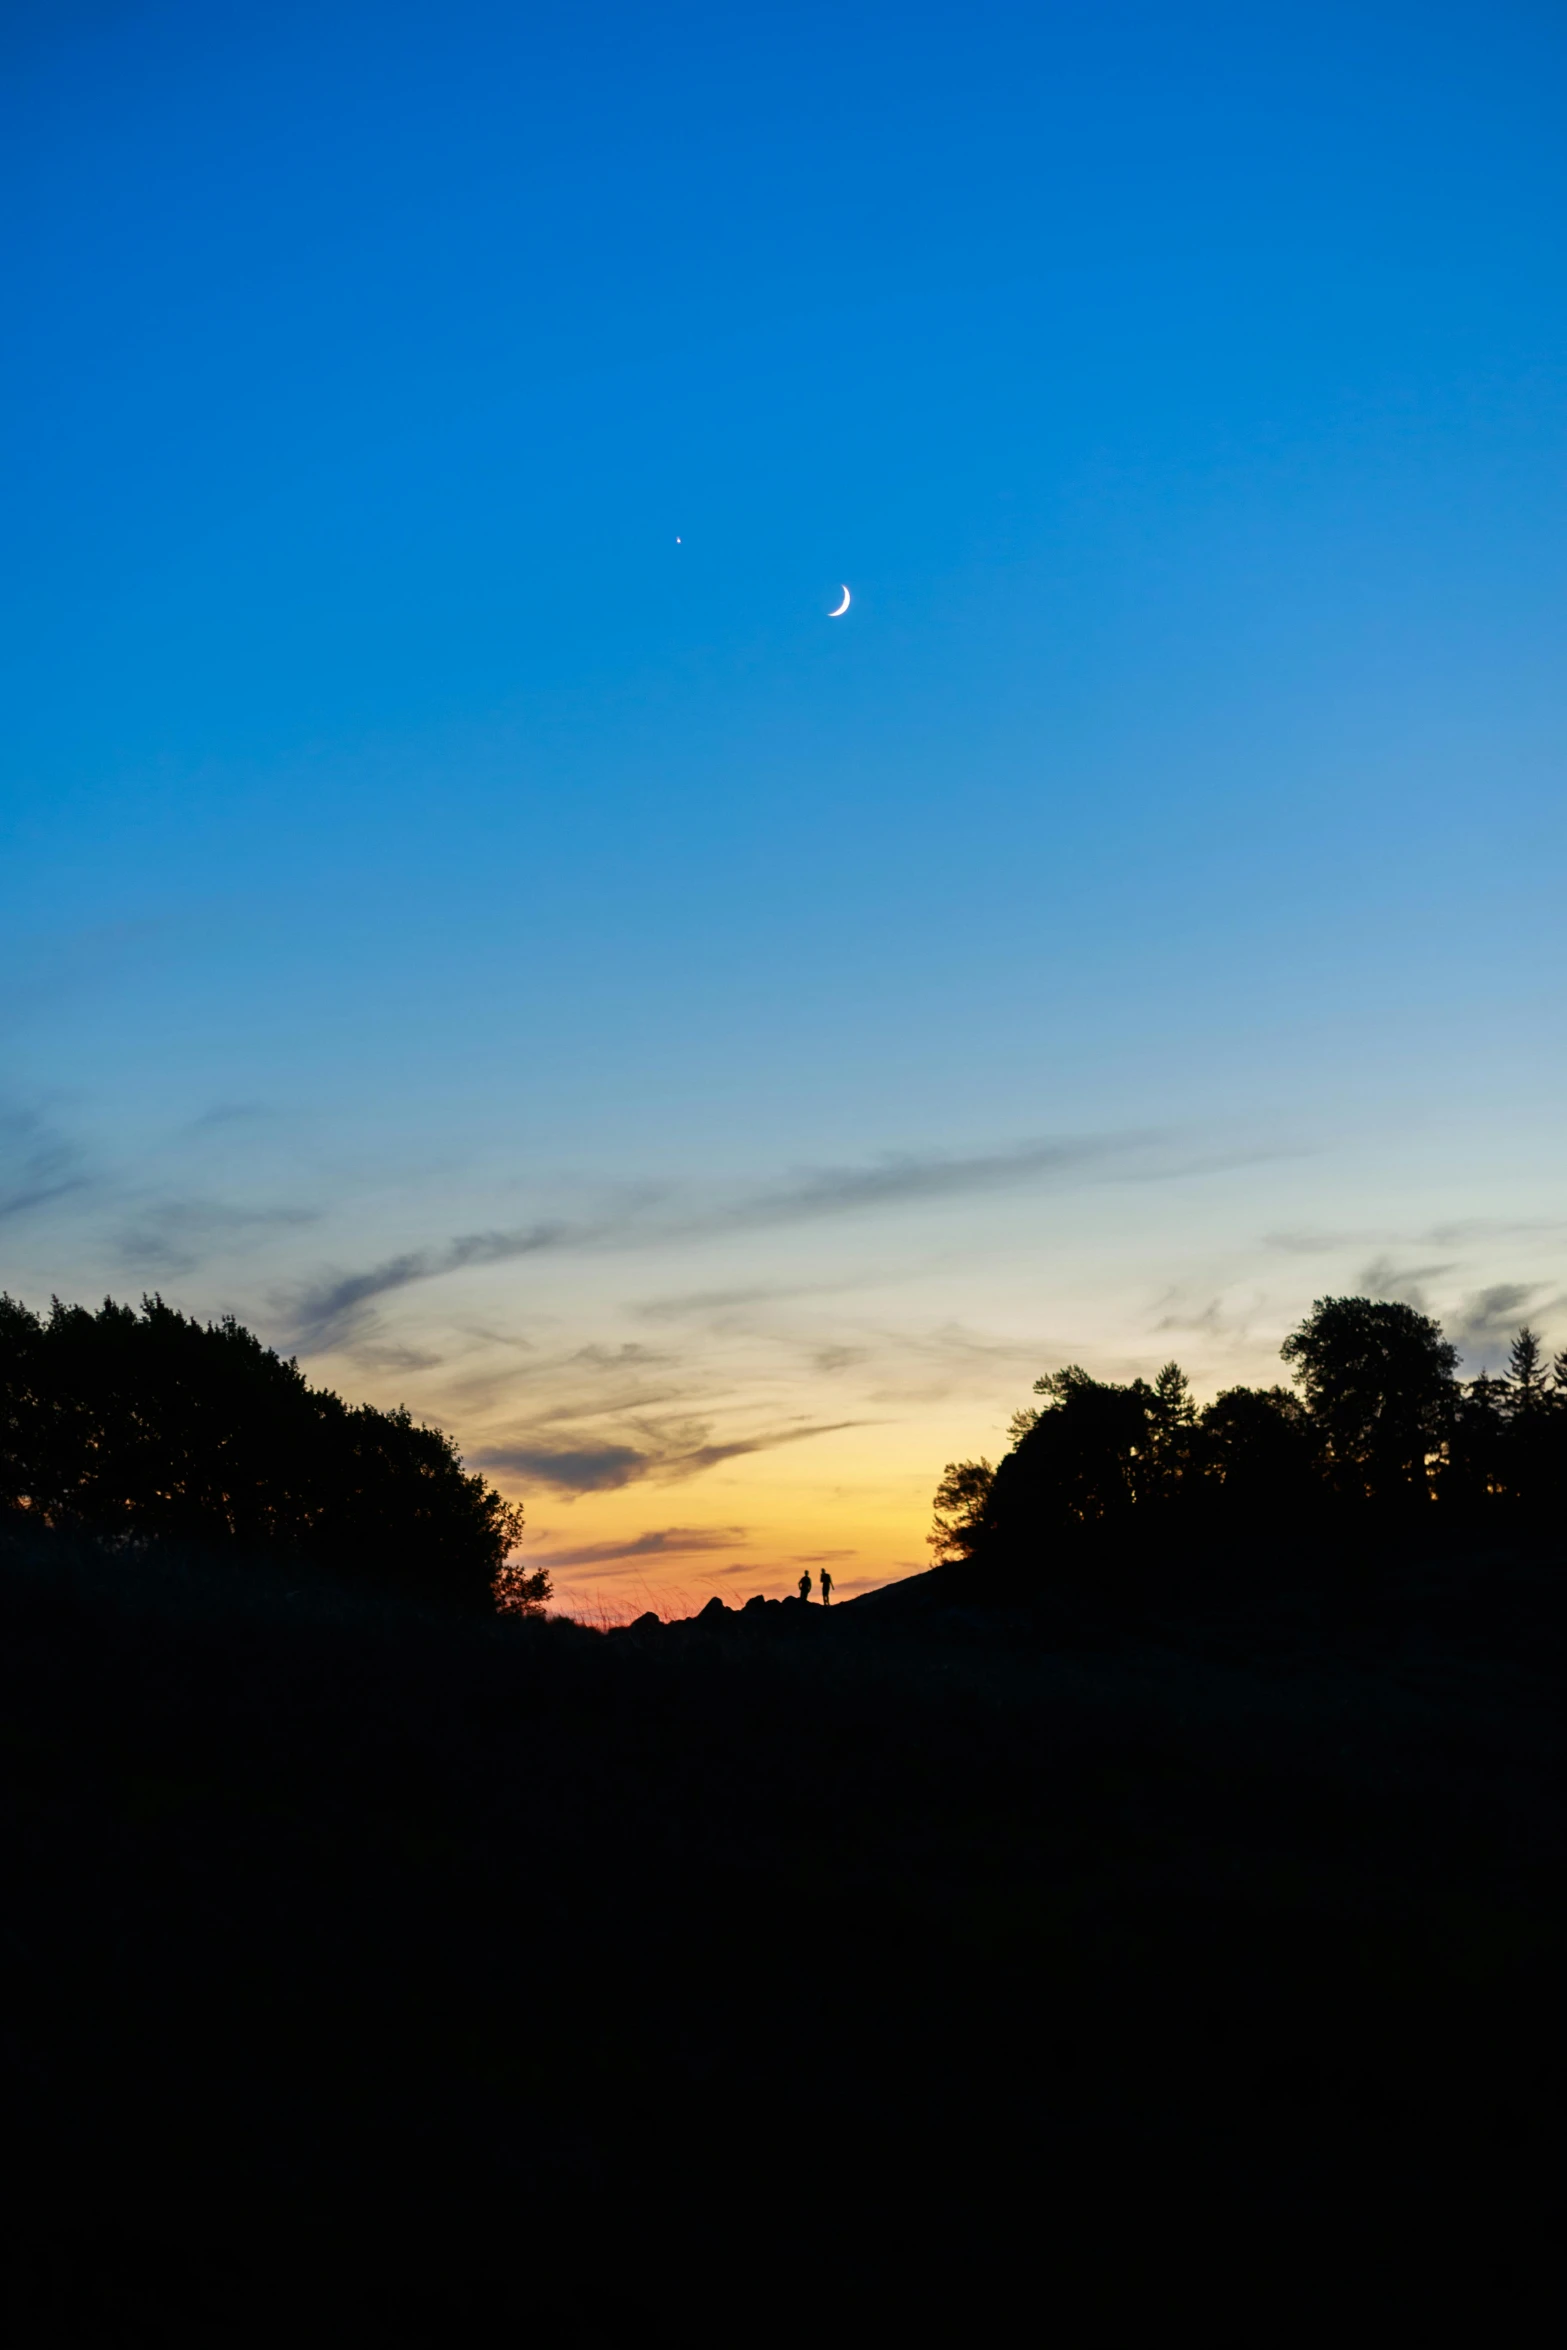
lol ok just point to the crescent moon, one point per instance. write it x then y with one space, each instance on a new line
839 612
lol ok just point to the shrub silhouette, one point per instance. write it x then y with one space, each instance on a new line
151 1426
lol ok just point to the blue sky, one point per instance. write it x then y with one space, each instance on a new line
668 1022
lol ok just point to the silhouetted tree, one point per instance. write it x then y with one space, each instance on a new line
1512 1442
519 1590
1379 1380
152 1426
1260 1450
960 1503
1077 1462
1528 1380
1168 1454
1100 1470
1474 1473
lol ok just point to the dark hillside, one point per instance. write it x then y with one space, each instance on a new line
404 1977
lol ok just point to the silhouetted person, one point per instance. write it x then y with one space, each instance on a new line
805 1584
826 1588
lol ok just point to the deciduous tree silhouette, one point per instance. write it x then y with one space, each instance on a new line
1379 1380
960 1508
1259 1448
1381 1430
152 1426
1082 1459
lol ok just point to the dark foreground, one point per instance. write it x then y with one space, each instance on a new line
411 1981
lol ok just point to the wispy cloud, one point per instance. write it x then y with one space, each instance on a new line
222 1116
584 1382
332 1311
719 1305
1311 1244
915 1178
590 1467
1457 1234
708 1456
928 1366
1404 1283
1487 1322
584 1468
658 1542
899 1178
38 971
174 1236
1182 1314
1493 1228
37 1163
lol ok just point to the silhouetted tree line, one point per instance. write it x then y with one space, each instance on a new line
1379 1432
153 1427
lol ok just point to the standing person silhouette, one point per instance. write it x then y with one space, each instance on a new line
805 1584
826 1588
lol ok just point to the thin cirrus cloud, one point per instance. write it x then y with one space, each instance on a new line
1488 1321
657 1542
602 1468
1404 1284
906 1177
1307 1244
37 1164
1209 1318
723 1305
43 969
333 1311
177 1235
580 1468
330 1313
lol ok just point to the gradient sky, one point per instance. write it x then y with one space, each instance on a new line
709 1056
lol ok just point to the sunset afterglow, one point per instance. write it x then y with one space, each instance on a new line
486 905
